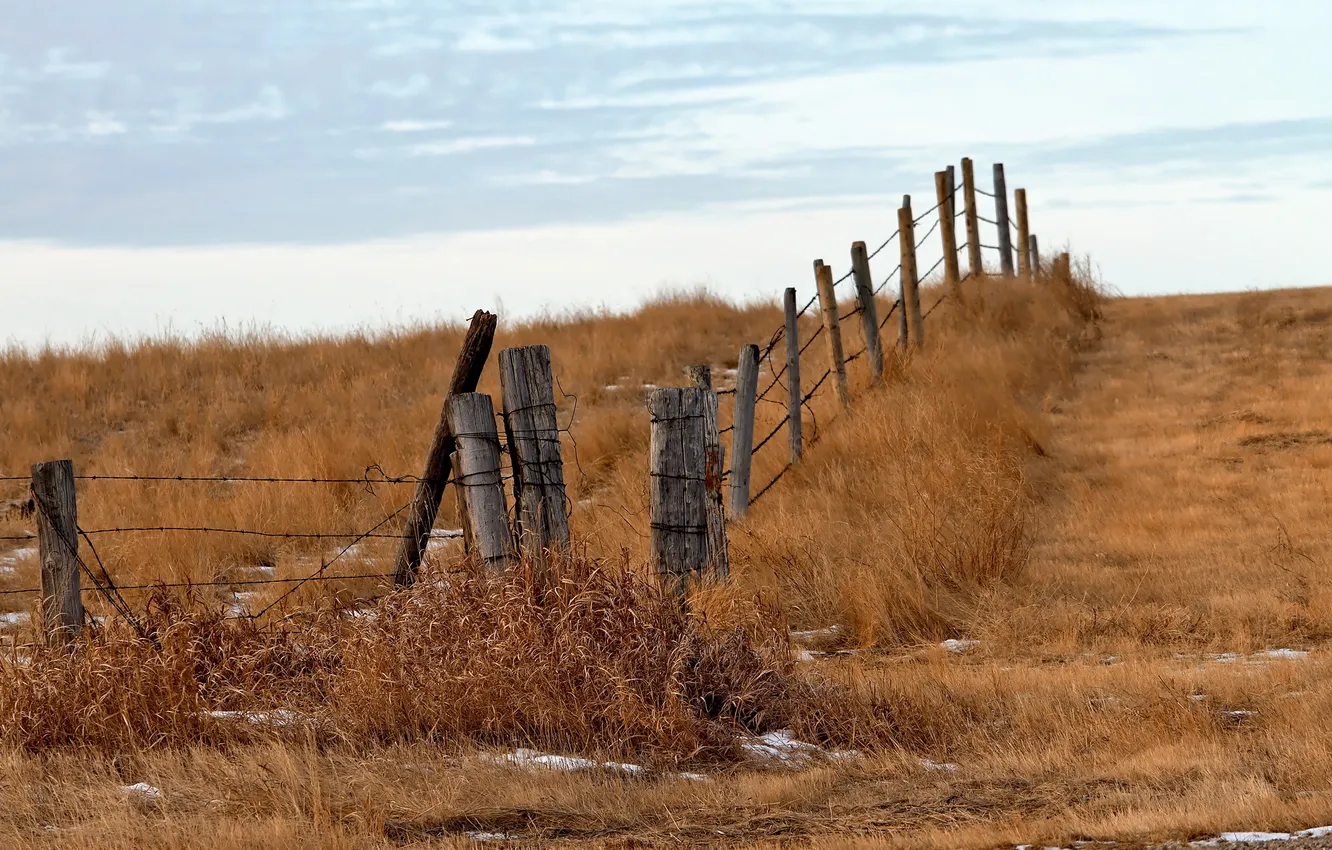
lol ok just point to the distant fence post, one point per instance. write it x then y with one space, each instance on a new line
430 489
534 451
1001 216
1063 269
679 540
973 219
795 401
1035 252
1023 233
478 482
742 437
701 378
869 310
832 326
906 226
952 273
56 507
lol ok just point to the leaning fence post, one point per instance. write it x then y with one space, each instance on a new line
540 507
973 219
1023 233
832 326
1001 216
478 482
869 310
742 437
56 507
952 274
795 401
679 539
701 378
906 226
1035 251
430 489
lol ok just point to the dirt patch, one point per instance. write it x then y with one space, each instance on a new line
1286 440
1246 416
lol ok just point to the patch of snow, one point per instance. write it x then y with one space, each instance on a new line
1293 654
10 561
14 618
611 387
1316 832
570 764
782 746
1264 657
491 836
942 767
692 777
964 645
1198 697
142 789
815 634
805 655
280 717
1263 837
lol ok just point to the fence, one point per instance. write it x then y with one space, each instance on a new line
692 496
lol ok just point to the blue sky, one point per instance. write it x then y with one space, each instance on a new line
333 164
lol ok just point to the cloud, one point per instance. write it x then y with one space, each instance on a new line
101 124
413 86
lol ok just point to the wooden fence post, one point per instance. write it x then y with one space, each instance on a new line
832 326
534 451
1063 269
478 482
56 507
701 378
973 220
952 273
906 226
869 310
430 489
742 437
1001 216
1035 251
1023 233
679 539
795 401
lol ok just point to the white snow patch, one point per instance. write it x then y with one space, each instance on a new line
1264 657
14 618
280 717
1316 832
942 767
491 836
570 764
964 645
1263 837
10 561
816 634
142 789
806 655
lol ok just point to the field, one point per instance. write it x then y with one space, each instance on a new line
1062 578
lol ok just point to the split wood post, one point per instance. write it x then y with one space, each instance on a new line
679 540
430 489
742 435
952 274
720 562
1035 251
1001 216
530 427
795 401
56 507
869 310
973 219
906 226
832 327
478 482
1023 233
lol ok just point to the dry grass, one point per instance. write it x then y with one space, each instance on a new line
1103 494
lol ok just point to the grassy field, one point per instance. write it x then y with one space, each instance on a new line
1064 577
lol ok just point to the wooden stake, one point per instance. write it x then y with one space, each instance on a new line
1023 233
1035 252
56 507
719 557
832 327
478 482
795 401
973 220
679 539
1063 269
742 438
534 452
952 272
869 310
430 489
1001 216
910 283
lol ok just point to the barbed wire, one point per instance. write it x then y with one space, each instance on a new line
922 240
276 535
885 244
933 268
887 280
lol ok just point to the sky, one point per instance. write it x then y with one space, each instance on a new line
176 166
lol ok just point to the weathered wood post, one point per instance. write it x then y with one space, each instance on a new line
973 219
56 508
430 489
1001 216
832 328
795 401
1035 252
478 481
952 273
1023 233
906 226
542 514
869 310
701 378
679 539
1063 269
742 437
